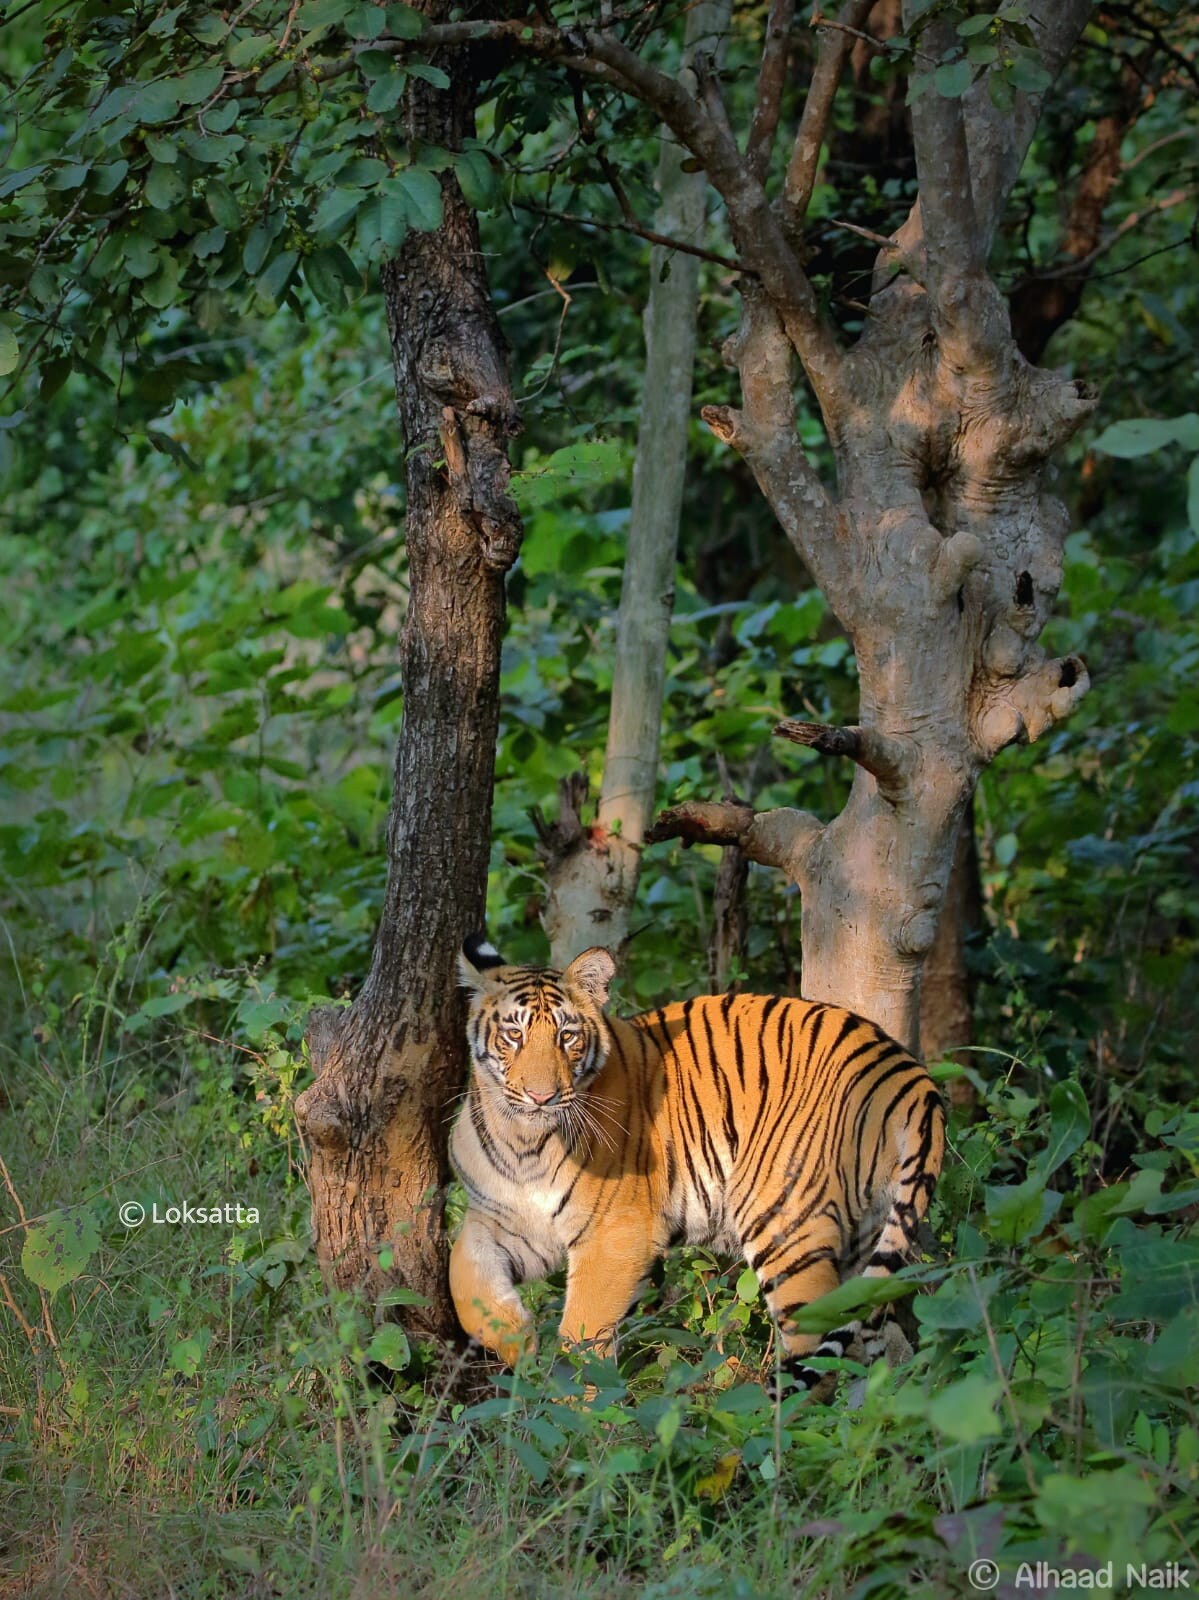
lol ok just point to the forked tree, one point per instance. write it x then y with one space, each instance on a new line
938 545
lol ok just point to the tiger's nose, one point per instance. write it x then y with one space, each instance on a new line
548 1099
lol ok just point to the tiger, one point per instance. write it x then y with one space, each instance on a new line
790 1133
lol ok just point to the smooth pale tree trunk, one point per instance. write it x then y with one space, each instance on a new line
387 1069
592 871
939 547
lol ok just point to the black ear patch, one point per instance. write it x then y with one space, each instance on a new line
480 952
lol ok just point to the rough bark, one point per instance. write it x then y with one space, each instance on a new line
592 871
946 990
388 1068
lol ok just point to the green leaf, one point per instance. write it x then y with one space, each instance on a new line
160 290
54 374
1019 1211
155 102
329 272
433 75
167 445
199 84
1139 436
399 1296
953 79
164 1005
14 181
531 1459
258 242
224 208
965 1410
277 276
220 118
140 256
1027 73
422 197
58 1248
1193 494
747 1286
10 351
337 210
247 51
187 1355
366 21
1069 1125
1160 1277
164 187
959 1303
324 13
209 243
404 23
842 1304
109 177
477 180
389 1346
385 93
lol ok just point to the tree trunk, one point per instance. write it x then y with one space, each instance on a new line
592 872
946 991
388 1068
940 548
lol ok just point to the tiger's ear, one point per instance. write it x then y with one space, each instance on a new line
591 973
476 958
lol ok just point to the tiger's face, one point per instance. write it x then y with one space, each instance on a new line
537 1036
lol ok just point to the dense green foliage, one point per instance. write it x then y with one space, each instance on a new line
202 562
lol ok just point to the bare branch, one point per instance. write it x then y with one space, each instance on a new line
951 240
702 822
779 838
772 77
630 225
998 140
764 433
890 760
831 55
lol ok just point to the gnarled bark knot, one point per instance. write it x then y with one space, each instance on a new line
322 1111
1021 709
474 448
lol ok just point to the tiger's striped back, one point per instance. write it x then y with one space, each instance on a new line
791 1133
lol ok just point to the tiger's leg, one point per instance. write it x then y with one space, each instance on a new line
605 1272
917 1167
792 1275
483 1286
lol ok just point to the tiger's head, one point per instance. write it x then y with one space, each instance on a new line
537 1036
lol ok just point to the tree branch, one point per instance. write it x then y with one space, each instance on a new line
764 433
702 822
762 244
832 52
634 227
889 760
951 238
779 838
772 78
998 140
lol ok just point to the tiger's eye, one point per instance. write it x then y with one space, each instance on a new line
512 1036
